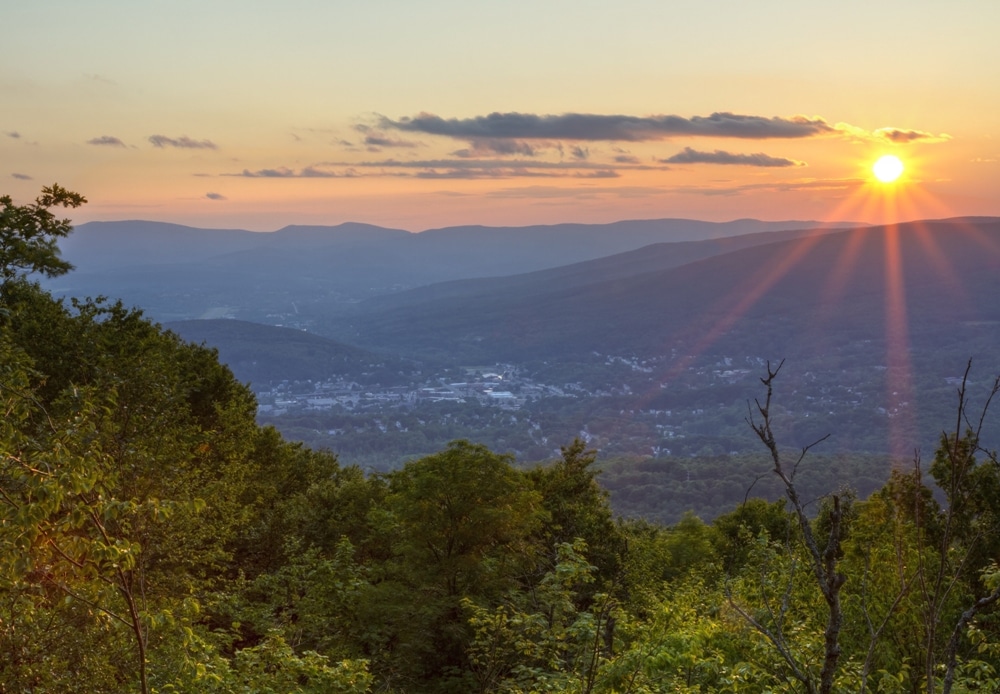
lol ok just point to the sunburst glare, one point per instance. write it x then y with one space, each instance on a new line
888 168
889 197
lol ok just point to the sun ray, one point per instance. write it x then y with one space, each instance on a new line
901 240
733 305
899 374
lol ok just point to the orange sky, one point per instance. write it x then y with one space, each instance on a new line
416 115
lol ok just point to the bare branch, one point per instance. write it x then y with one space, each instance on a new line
824 563
951 653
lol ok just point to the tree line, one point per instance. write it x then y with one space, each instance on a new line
155 538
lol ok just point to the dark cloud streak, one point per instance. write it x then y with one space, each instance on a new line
285 172
377 138
512 172
106 141
593 127
838 184
182 142
500 147
486 164
900 136
691 156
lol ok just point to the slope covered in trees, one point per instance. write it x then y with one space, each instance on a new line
310 275
153 538
803 297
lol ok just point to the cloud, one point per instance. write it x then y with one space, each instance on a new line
775 187
593 127
480 173
492 146
285 172
182 142
14 134
383 141
471 169
691 156
22 177
216 196
312 172
377 138
463 163
899 136
985 160
579 153
626 159
511 172
106 141
280 172
578 192
100 78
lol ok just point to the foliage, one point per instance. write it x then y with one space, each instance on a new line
28 234
154 538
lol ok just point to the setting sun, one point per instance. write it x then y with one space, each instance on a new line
888 168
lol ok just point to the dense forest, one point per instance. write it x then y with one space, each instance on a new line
155 538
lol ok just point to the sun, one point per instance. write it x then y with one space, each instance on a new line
888 168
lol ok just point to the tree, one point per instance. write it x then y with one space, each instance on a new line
460 524
823 559
967 532
124 454
541 640
918 612
578 509
28 234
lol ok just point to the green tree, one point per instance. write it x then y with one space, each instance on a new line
117 435
461 524
578 509
735 531
542 640
29 234
968 535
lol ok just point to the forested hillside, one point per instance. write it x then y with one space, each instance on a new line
154 538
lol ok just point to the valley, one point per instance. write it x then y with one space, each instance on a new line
648 354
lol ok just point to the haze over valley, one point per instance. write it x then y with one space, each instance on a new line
453 347
645 339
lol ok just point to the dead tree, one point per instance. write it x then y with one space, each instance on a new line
823 561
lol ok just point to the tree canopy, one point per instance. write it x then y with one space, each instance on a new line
154 538
29 234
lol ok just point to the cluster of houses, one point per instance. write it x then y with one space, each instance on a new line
499 388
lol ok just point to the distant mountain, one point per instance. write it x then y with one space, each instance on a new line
658 349
177 272
106 245
657 256
799 296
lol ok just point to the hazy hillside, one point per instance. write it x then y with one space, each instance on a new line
792 297
644 354
284 277
262 353
657 256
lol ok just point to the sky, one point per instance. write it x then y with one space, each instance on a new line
423 114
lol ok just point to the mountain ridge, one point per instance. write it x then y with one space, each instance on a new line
177 272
